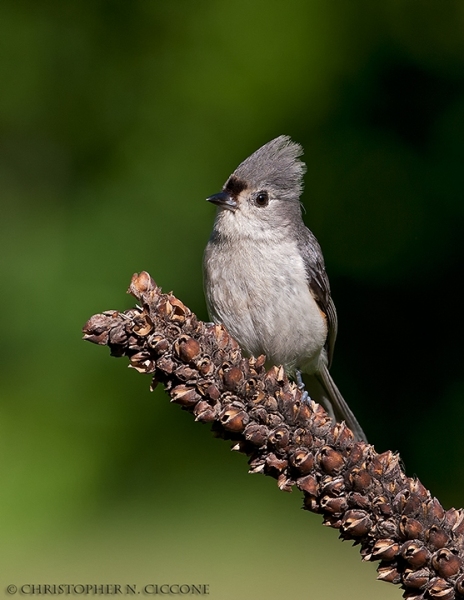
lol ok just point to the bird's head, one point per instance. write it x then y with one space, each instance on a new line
263 192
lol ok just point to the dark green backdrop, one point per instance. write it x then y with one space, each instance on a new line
117 119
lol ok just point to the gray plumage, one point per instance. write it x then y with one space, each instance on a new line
264 273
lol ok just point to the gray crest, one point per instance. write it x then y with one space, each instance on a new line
275 165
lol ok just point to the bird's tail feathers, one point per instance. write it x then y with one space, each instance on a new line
338 409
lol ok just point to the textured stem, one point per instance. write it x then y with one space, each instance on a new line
365 495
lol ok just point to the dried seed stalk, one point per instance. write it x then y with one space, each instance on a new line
365 495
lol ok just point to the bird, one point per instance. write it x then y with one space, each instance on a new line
265 278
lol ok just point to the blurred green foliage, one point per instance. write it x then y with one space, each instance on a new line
117 119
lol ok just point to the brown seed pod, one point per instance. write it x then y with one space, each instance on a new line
332 485
415 553
143 325
158 344
355 523
187 374
233 419
98 328
335 506
437 537
435 510
142 284
285 483
359 479
118 335
302 460
178 310
205 366
385 549
256 434
302 437
258 363
166 365
445 563
308 485
387 528
382 506
274 463
186 349
358 500
342 435
330 460
416 578
388 572
184 395
233 378
410 528
204 412
279 437
142 363
440 589
460 585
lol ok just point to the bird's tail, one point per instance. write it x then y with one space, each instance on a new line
334 402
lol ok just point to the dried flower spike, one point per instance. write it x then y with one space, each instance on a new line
366 495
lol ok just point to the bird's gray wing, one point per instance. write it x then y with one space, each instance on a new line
318 283
319 286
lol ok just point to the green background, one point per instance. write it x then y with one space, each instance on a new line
117 120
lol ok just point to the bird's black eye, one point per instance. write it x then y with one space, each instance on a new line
262 199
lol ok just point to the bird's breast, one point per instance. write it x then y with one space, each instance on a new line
261 294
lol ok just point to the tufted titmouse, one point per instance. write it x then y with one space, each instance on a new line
264 273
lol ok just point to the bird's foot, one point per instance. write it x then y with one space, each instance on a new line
301 386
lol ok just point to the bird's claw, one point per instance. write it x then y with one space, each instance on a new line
301 386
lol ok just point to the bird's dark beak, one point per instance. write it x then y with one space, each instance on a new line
224 200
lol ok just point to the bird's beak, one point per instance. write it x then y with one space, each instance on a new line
224 200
